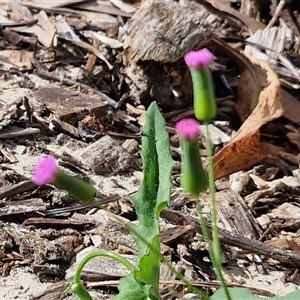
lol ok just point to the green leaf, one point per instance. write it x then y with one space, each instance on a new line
152 197
245 294
149 265
130 289
154 193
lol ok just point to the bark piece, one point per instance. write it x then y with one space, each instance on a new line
235 216
69 105
165 31
286 211
17 188
69 82
22 209
106 156
54 291
51 249
174 234
57 223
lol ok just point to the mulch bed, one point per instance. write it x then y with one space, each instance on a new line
76 80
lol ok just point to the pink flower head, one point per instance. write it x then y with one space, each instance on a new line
188 128
199 59
45 171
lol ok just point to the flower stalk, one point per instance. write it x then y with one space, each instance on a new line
205 110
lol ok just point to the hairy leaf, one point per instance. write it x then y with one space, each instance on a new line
152 197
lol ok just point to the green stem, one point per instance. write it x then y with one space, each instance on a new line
172 269
186 282
204 229
216 247
78 288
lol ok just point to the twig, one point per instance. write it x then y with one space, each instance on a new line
236 240
253 246
5 134
278 10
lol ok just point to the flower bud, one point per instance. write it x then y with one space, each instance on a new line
193 179
204 99
47 171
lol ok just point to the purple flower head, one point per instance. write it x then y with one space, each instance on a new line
199 59
45 171
188 128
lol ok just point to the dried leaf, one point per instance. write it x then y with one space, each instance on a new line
53 4
65 32
44 30
102 8
17 58
284 243
258 106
